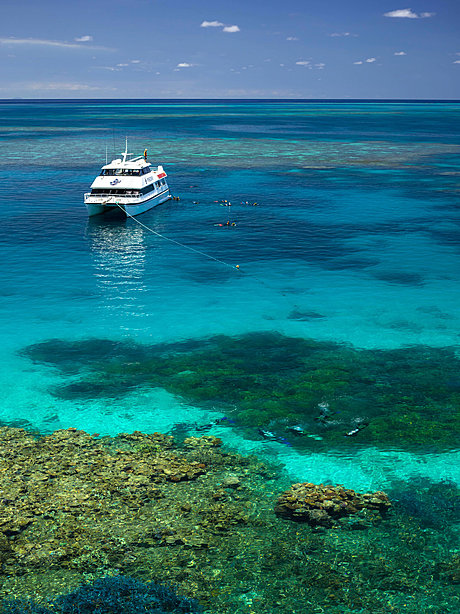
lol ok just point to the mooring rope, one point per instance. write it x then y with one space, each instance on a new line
192 249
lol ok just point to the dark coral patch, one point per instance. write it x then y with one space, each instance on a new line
405 397
400 277
111 595
305 315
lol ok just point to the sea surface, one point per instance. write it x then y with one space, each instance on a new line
346 235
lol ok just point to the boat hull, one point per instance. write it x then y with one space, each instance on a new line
125 205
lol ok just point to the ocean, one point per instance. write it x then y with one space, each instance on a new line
341 316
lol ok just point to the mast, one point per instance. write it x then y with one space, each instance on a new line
125 153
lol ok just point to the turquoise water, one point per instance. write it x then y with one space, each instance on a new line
354 239
346 295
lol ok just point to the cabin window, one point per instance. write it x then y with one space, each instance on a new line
122 171
147 189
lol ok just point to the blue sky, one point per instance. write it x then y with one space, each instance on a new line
230 49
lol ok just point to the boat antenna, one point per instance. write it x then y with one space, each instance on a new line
125 153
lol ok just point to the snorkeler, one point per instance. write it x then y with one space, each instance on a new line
297 430
270 436
355 431
216 422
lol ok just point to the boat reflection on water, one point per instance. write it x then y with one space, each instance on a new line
118 250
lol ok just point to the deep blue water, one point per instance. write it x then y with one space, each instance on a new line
357 222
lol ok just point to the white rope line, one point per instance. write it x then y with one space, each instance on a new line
192 249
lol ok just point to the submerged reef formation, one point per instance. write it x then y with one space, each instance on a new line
406 398
323 505
77 509
110 595
434 504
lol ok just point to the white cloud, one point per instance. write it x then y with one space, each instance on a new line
184 65
292 38
123 64
340 34
368 61
48 43
211 24
309 65
83 39
399 53
70 87
456 62
135 61
111 68
407 13
219 24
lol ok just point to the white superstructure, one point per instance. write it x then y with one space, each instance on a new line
132 185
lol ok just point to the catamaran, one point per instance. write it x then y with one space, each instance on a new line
131 185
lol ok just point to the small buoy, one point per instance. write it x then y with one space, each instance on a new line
237 266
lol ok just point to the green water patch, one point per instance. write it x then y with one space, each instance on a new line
407 398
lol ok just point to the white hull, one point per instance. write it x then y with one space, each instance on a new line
96 206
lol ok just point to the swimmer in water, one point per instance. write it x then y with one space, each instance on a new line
355 431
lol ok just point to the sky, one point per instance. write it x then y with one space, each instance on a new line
307 49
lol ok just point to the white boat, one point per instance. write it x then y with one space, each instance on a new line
131 185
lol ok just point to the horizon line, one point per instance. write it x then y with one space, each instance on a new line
21 99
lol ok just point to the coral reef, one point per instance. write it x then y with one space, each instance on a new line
66 483
205 441
110 595
77 507
409 398
322 505
449 571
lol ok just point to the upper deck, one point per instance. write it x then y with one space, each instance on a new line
130 173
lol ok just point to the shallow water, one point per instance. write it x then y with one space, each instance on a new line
354 240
